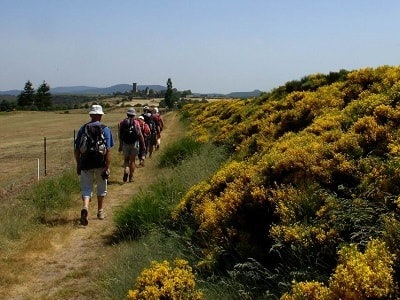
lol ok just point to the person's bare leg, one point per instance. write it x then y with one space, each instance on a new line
131 167
126 168
85 210
100 213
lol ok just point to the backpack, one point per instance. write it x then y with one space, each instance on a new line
157 120
145 129
128 131
152 124
92 146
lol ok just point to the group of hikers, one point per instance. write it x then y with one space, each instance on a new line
138 136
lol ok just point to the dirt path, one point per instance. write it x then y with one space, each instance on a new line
73 254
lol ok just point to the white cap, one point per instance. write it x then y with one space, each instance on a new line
96 110
156 109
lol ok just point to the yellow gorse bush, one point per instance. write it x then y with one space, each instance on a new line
163 281
341 138
363 275
358 276
312 290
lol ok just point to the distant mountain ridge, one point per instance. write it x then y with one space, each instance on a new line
122 88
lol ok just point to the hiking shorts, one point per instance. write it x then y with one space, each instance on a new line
130 149
88 178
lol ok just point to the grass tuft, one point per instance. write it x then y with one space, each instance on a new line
152 207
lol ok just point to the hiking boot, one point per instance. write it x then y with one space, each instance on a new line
125 178
142 162
101 215
84 219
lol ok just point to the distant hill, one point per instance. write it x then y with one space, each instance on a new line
10 92
254 93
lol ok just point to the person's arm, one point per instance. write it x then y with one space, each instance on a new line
142 145
109 145
78 159
77 152
119 137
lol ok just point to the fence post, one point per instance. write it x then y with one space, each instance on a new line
45 157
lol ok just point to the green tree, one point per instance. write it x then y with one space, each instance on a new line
168 94
27 97
43 96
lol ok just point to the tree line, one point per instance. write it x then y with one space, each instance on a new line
42 99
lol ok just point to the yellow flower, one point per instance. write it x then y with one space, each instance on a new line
164 281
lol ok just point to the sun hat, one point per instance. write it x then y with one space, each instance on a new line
141 118
131 111
96 110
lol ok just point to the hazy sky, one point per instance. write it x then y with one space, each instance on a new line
203 45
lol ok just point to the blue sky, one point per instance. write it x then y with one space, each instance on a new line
203 45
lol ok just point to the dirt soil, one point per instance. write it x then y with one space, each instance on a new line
72 254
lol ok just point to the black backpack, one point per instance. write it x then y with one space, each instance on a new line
128 131
93 146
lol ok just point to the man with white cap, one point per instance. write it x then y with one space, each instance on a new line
92 154
130 142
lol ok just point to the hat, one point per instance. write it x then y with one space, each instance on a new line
131 111
96 110
141 118
156 109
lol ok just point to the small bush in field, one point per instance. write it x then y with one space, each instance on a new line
163 281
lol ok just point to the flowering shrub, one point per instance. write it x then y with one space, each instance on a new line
308 291
162 281
314 165
363 275
358 276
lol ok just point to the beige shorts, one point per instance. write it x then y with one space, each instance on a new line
130 150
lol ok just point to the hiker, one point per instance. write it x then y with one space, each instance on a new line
92 154
159 125
148 118
146 137
130 143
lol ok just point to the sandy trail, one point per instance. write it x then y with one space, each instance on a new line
73 253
